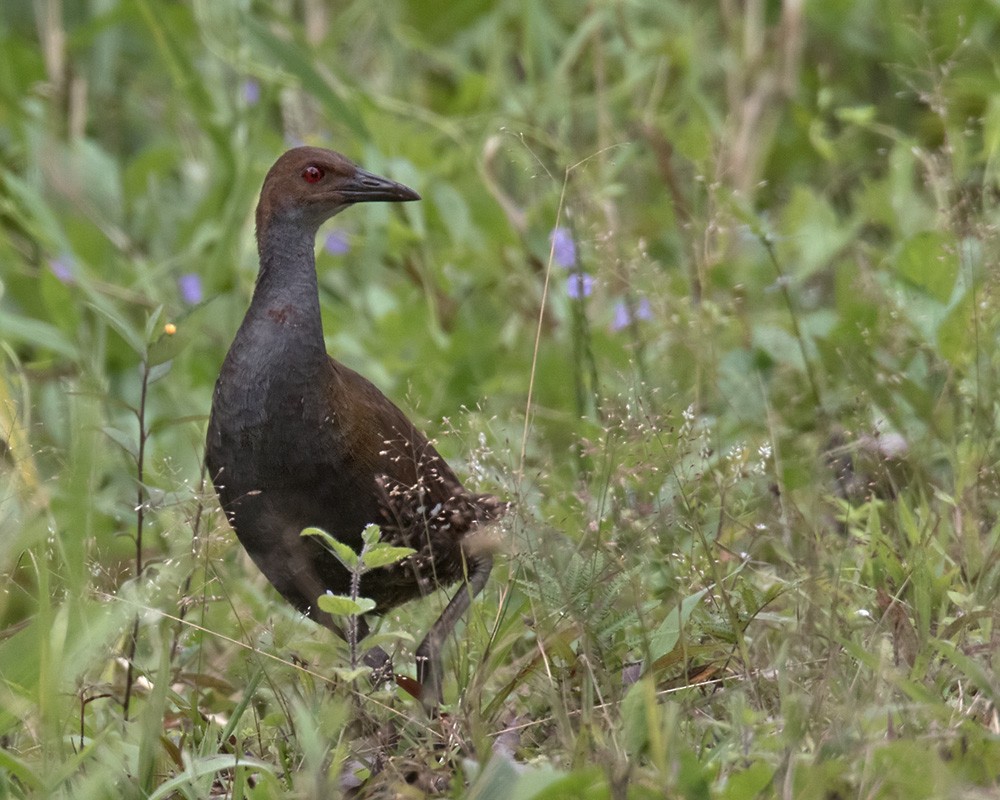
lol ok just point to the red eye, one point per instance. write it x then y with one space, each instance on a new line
312 174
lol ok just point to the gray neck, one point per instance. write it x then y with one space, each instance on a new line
285 305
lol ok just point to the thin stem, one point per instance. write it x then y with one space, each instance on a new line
538 337
796 328
541 309
352 620
140 517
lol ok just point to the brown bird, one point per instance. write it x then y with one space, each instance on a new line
297 440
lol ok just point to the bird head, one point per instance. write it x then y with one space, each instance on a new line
308 185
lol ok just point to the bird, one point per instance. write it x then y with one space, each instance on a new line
297 439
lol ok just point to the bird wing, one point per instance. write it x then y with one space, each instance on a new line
416 486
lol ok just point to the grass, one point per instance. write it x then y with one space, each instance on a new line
743 399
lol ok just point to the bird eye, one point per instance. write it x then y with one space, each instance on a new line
312 174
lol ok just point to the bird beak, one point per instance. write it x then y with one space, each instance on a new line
365 187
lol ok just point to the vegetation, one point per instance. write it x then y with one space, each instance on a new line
707 289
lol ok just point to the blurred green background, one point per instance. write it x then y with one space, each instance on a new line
707 288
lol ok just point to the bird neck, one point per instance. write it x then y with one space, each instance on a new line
286 297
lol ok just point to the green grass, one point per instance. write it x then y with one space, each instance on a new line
754 551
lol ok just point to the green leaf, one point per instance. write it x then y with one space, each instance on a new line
812 232
748 783
635 709
12 765
200 767
665 637
125 329
345 555
158 371
371 535
383 555
338 605
454 213
187 328
928 261
152 323
124 440
37 333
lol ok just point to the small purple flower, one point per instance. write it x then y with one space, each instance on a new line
336 243
579 284
190 286
63 268
251 91
563 247
623 319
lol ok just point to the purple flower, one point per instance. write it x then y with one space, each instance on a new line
336 243
563 247
251 91
623 318
579 284
63 268
190 286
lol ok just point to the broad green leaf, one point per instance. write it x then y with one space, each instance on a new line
928 262
339 605
116 320
666 636
641 697
126 441
383 555
343 552
158 371
748 783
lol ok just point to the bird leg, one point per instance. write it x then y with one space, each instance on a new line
428 655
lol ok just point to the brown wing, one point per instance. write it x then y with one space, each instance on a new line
381 441
422 503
